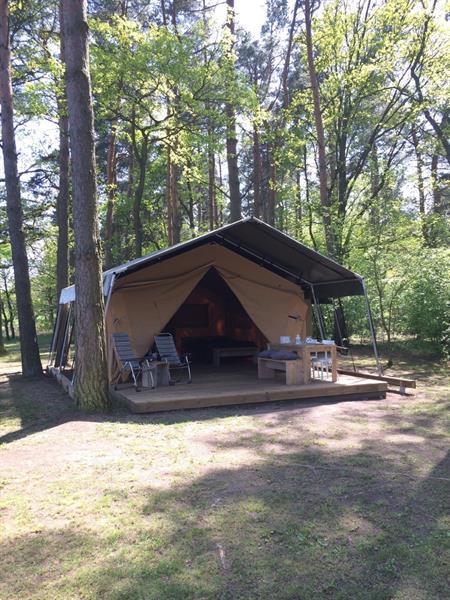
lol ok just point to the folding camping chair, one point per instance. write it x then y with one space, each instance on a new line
167 351
130 362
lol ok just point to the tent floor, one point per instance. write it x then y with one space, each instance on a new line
237 383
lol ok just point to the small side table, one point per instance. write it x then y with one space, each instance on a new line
160 372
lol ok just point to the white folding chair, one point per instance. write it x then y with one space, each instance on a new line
322 362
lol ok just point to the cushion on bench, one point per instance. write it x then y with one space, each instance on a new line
279 354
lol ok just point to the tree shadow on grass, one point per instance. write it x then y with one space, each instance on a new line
40 404
266 530
36 403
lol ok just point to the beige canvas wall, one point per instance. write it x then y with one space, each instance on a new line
143 302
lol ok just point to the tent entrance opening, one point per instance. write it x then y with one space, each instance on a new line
212 324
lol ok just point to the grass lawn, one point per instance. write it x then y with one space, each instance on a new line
286 500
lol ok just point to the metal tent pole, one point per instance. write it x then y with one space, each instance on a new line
63 348
55 333
371 328
318 313
108 297
338 325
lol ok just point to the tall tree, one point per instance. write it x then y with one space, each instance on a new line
232 156
111 184
62 205
91 384
420 182
320 132
31 362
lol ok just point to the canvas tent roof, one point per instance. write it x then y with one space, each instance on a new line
265 246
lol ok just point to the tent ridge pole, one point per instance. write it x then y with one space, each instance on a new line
348 280
264 260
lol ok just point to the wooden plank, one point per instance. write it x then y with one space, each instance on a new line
410 383
181 404
248 391
292 368
222 388
273 364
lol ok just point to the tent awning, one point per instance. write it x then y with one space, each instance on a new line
265 246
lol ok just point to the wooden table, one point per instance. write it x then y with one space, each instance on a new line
304 352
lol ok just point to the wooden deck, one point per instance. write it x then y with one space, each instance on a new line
231 384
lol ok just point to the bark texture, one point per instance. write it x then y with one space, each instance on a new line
271 201
141 153
321 148
173 210
31 362
111 190
437 193
419 166
62 206
257 173
91 384
10 307
232 156
212 204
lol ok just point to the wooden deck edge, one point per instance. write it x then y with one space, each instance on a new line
140 407
117 398
410 383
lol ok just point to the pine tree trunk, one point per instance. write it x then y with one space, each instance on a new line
437 193
174 179
173 212
5 320
10 308
233 172
299 206
419 166
257 173
142 157
111 191
31 362
212 206
271 188
91 383
231 143
62 205
126 250
191 208
2 342
323 185
420 185
287 59
374 213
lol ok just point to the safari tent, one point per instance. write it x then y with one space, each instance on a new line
246 283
